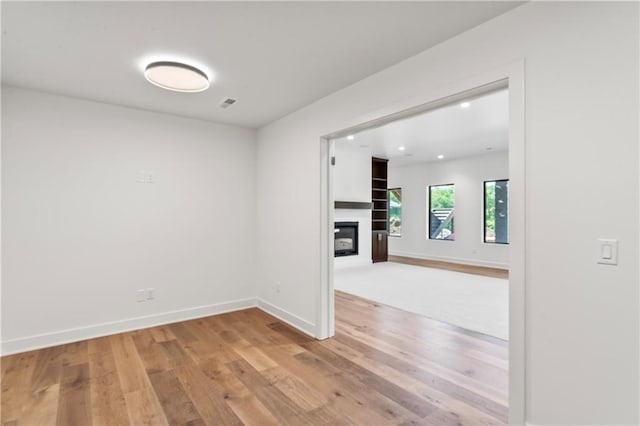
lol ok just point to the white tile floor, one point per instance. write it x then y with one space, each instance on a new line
470 301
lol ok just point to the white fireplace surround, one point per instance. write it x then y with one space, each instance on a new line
363 217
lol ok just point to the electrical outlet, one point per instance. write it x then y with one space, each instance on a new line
151 293
141 295
277 287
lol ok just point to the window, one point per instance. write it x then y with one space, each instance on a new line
395 212
496 211
441 210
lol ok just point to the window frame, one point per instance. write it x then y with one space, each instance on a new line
429 211
389 212
484 212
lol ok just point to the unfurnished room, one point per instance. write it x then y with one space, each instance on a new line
306 213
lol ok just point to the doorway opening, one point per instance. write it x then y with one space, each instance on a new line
450 221
437 183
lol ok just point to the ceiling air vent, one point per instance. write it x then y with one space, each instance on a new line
226 103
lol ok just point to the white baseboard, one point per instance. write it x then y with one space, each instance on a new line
89 332
463 261
71 335
293 320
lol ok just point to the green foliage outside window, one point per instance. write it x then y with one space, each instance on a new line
442 197
496 211
441 212
395 212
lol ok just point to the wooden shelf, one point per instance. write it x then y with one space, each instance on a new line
379 213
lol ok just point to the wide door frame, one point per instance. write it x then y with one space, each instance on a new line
513 77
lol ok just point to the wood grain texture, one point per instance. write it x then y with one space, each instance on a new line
456 267
384 366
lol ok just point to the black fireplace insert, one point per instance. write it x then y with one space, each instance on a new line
346 239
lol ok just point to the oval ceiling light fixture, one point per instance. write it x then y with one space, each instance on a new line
176 76
351 137
440 157
465 105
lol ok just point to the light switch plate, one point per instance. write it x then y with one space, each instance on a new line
607 251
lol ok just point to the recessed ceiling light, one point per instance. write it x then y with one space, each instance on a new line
440 157
351 137
176 76
465 105
401 148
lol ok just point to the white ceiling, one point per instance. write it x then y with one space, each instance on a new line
451 131
273 57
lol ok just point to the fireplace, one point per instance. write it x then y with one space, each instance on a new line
346 239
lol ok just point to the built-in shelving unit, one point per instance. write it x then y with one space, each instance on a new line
379 211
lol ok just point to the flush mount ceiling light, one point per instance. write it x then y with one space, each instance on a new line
176 76
351 137
465 105
440 157
401 148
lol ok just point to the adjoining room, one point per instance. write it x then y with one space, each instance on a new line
427 200
421 239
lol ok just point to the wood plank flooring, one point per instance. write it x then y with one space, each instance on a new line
457 267
384 366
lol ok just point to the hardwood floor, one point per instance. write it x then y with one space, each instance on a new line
384 366
457 267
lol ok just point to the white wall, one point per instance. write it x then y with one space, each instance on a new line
581 159
352 172
352 182
80 235
468 175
